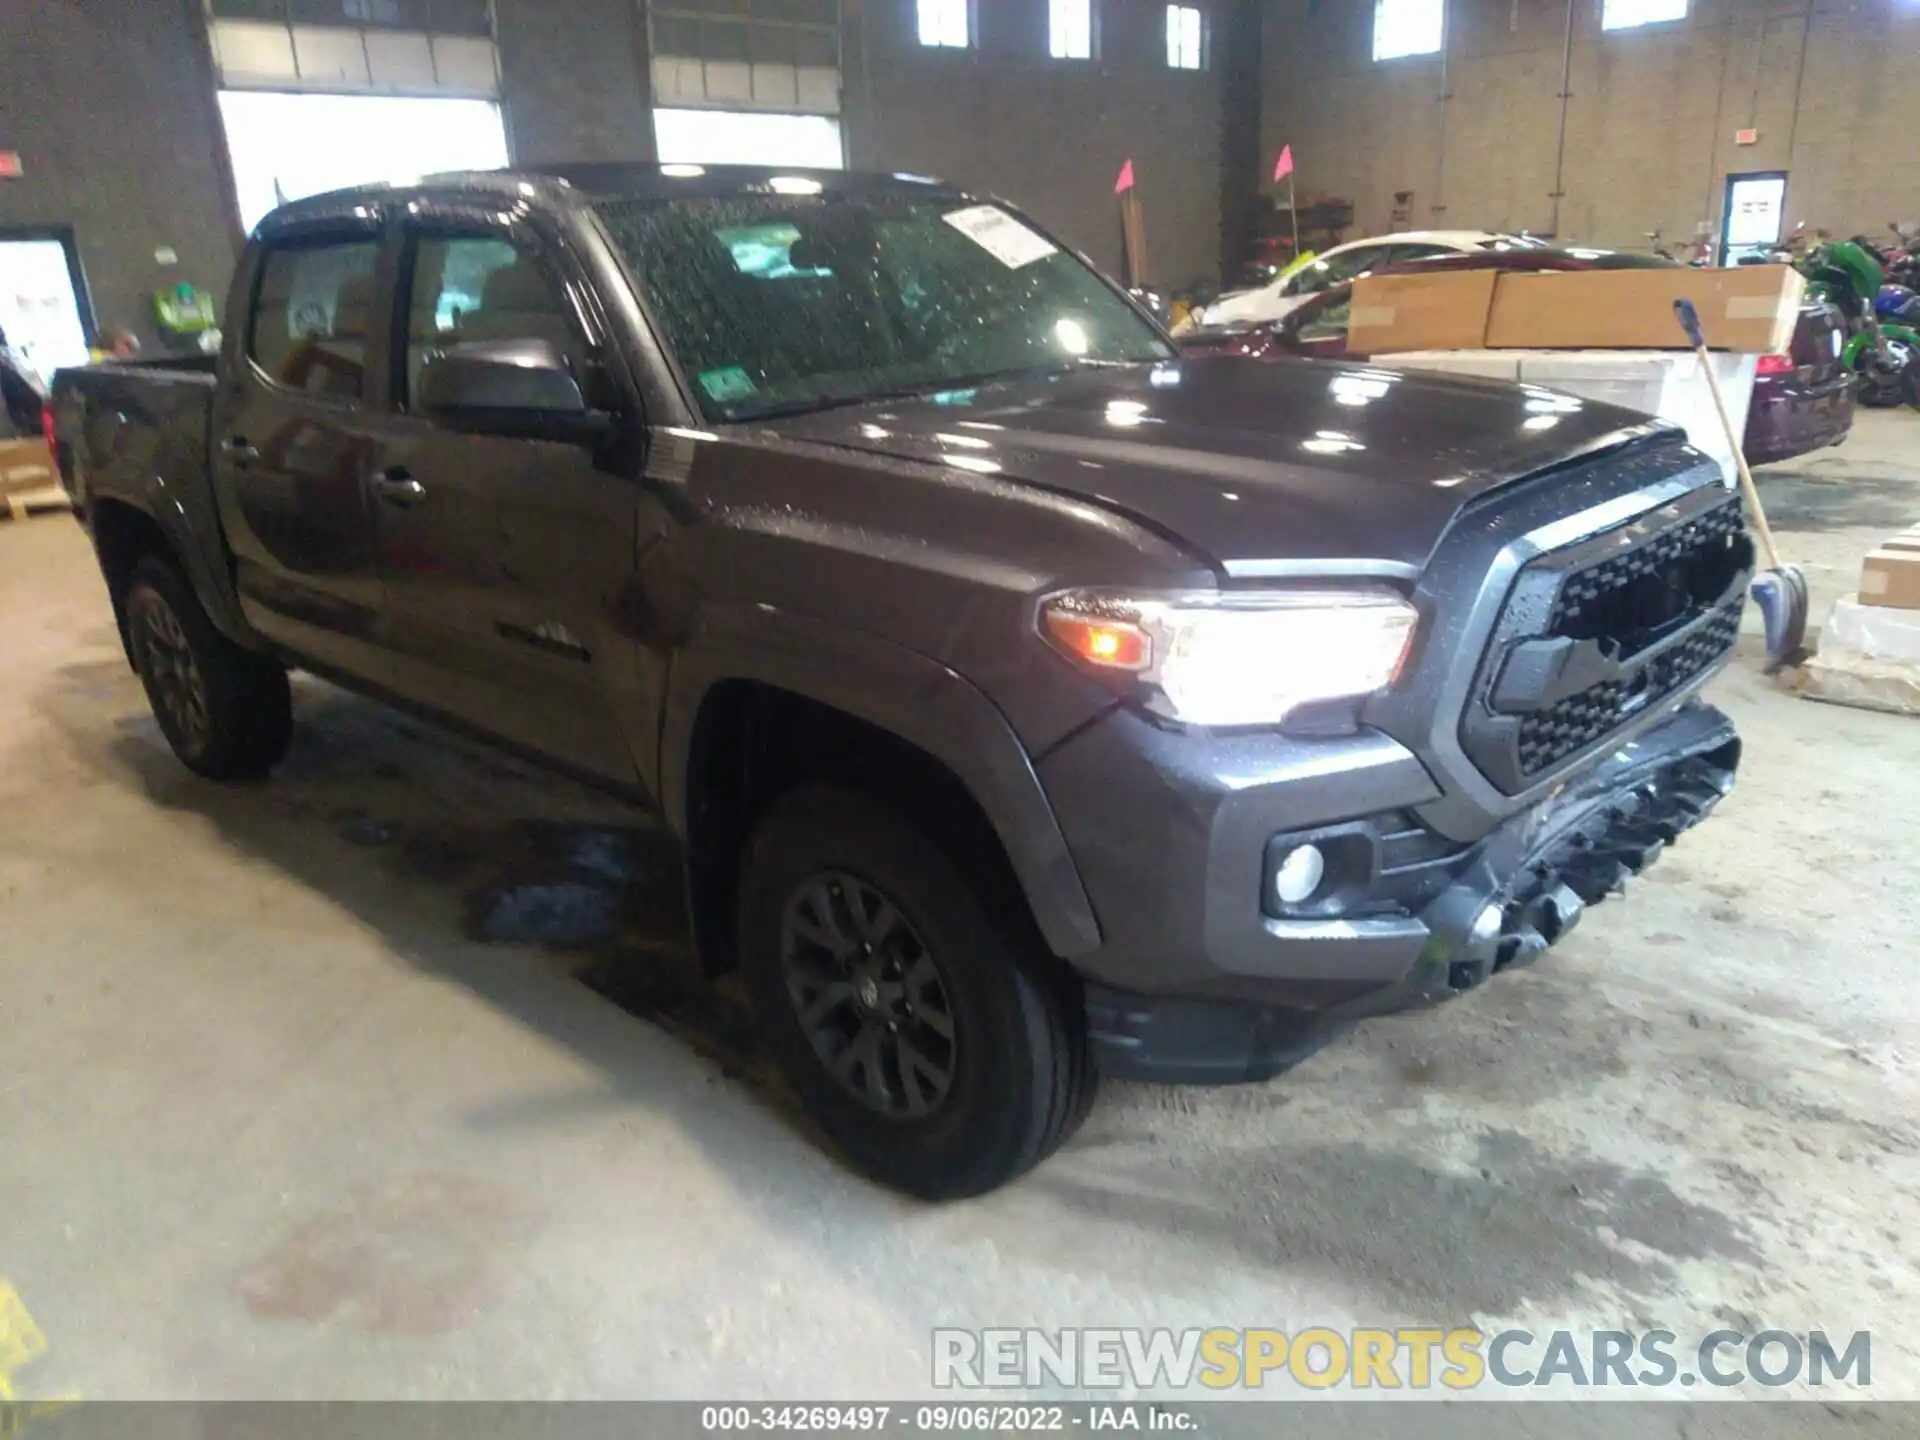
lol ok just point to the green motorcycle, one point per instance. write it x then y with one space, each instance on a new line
1884 358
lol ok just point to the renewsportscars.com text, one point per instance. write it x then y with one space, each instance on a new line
1403 1358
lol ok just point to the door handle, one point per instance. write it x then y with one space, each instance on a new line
237 449
398 487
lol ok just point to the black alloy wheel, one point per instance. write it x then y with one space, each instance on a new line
868 995
911 1005
179 688
226 711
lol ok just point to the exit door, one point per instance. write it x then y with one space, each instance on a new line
1755 212
43 301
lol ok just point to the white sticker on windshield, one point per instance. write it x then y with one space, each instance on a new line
1000 235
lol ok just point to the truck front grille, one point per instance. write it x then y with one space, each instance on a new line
1569 726
1593 634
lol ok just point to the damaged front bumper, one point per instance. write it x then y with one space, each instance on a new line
1518 891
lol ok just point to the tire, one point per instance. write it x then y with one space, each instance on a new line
226 711
1883 390
1019 1078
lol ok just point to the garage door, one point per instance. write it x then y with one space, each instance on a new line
753 82
312 104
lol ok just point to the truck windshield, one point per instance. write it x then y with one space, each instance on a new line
775 304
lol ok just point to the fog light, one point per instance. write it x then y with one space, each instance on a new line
1299 874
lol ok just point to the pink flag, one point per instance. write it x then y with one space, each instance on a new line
1125 182
1285 166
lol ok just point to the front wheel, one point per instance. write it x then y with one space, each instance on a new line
940 1051
1896 382
226 711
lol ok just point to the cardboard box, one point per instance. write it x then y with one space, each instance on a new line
25 465
1750 308
1446 310
1891 578
1908 539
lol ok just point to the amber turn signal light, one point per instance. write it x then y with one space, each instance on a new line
1100 640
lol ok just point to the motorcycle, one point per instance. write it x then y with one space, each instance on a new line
1882 354
1903 262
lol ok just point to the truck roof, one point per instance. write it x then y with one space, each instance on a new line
561 183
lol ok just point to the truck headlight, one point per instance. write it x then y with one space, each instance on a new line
1236 657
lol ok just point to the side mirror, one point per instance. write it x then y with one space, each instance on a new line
516 389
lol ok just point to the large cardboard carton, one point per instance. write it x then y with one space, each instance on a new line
1891 578
1446 310
1749 308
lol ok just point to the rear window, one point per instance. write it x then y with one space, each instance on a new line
313 315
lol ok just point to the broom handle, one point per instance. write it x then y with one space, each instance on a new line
1690 322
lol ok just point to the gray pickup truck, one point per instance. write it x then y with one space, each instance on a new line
1033 703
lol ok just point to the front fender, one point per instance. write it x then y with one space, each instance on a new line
910 696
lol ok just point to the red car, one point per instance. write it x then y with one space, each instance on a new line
1802 401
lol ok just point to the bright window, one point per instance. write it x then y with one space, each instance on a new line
1624 14
1186 37
1070 29
747 137
286 146
1407 27
945 22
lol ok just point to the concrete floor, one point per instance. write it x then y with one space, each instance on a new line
290 1108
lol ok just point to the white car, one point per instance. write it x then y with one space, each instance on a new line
1344 262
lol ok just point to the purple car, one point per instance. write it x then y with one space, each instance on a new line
1802 400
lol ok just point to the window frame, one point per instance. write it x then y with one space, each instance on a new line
317 234
968 24
1610 27
1380 8
1202 38
1092 32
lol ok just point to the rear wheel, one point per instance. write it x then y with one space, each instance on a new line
941 1052
226 711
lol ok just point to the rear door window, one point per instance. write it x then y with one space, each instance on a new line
313 316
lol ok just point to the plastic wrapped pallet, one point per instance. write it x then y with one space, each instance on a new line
1869 658
1667 383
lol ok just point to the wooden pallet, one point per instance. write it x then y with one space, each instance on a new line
51 500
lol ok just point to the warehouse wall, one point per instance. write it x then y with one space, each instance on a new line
1650 122
110 104
1048 134
574 77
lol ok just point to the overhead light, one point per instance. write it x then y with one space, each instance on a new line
794 185
683 172
1072 336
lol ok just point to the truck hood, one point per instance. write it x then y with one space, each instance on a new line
1247 461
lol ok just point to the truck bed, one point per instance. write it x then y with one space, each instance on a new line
117 424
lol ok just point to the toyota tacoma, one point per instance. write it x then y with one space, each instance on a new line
1032 702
